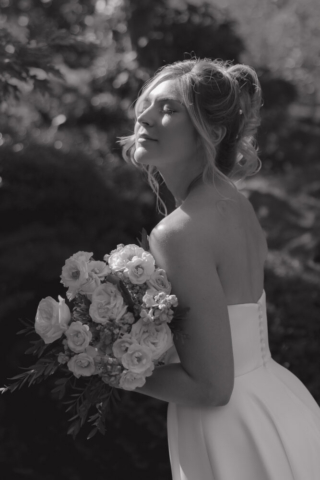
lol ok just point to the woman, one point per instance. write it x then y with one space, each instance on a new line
234 413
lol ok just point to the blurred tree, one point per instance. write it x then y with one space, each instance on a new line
164 35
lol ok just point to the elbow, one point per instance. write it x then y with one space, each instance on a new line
224 400
219 398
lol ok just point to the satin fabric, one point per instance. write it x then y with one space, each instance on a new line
269 430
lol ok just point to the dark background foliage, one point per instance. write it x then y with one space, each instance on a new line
70 71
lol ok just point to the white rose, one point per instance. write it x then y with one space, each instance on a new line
82 365
130 380
159 281
157 338
78 337
137 359
119 257
101 269
90 286
75 272
140 269
121 346
52 319
107 304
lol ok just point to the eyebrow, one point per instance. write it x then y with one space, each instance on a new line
165 99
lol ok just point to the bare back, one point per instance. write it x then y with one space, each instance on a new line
236 235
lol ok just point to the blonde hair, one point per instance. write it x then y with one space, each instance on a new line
223 101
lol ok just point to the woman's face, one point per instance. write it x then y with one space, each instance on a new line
164 132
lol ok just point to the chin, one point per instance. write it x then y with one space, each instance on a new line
143 157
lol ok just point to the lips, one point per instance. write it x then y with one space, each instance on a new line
143 136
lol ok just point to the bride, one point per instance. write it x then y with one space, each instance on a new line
234 413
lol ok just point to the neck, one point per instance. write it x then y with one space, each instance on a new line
180 181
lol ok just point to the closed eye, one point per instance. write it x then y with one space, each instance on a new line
168 110
164 109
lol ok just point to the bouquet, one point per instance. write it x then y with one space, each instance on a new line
116 331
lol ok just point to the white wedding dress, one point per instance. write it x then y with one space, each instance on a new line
269 430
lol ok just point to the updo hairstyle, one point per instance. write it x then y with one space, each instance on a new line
223 101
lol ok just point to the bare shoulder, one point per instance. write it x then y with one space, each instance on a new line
211 221
204 216
183 230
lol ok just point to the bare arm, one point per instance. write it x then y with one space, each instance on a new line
205 375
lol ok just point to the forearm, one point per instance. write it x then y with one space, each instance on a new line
171 383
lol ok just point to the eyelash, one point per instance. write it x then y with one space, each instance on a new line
166 110
169 111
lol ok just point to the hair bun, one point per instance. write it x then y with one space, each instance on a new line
246 78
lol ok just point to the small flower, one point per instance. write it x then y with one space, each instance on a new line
127 318
78 337
82 365
101 269
121 346
137 359
159 281
75 272
149 298
147 315
92 283
156 338
63 358
130 380
140 269
173 300
123 254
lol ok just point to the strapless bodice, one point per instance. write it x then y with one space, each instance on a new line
249 333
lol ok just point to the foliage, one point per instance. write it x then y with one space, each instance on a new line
164 35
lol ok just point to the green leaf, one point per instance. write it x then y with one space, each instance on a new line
92 433
144 242
126 294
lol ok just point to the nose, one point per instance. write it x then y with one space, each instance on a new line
145 117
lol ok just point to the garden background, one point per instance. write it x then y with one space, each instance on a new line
70 71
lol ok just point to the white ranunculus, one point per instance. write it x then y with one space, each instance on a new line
52 319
